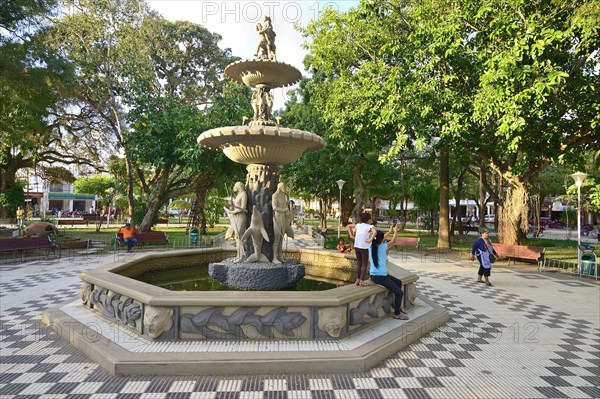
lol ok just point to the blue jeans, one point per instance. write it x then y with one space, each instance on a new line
394 285
130 242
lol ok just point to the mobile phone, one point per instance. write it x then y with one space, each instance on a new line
395 222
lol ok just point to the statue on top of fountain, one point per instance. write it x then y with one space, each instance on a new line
266 41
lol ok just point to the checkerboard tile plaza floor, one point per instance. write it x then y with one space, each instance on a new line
532 335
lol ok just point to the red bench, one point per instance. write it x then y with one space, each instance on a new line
153 237
94 217
26 244
72 222
74 244
521 252
407 242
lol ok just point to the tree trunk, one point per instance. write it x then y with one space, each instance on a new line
346 209
360 193
201 194
374 210
482 202
150 216
458 214
8 176
130 198
513 210
444 219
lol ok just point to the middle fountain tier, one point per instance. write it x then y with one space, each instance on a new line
259 214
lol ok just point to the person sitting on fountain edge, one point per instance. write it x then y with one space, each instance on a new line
378 254
343 247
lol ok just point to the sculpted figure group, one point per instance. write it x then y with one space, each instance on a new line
238 217
262 103
266 40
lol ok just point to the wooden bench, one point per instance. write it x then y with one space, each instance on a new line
72 222
154 237
74 244
162 220
407 242
521 252
26 244
467 229
94 217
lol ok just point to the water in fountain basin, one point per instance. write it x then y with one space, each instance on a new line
197 279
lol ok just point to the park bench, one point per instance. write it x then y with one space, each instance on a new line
74 244
23 244
162 220
520 252
467 229
72 222
94 217
412 242
154 237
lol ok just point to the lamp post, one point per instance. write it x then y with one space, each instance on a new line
340 184
579 177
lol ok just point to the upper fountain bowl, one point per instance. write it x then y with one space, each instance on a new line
263 145
262 71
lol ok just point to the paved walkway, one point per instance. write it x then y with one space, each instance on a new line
531 335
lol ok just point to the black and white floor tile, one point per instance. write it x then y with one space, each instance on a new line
522 338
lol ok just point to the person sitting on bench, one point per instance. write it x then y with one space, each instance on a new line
128 234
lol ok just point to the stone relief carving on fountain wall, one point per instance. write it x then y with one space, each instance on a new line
332 320
157 320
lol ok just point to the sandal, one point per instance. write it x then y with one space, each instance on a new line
357 282
364 284
489 284
479 281
401 316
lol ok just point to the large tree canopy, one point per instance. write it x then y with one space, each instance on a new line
513 82
148 85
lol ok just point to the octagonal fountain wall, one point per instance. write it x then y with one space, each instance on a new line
160 314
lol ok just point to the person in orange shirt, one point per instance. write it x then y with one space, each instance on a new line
128 234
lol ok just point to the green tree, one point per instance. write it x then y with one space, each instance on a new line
426 198
101 186
149 84
33 81
500 80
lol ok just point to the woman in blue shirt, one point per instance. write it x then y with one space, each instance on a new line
483 249
378 253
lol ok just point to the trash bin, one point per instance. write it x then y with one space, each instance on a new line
194 235
588 260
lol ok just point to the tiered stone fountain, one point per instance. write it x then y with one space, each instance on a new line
133 328
259 215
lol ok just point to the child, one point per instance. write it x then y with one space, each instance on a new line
343 247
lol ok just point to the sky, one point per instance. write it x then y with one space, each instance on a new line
235 21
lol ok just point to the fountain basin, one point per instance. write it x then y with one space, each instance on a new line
128 316
265 145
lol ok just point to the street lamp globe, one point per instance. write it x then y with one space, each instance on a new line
579 177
